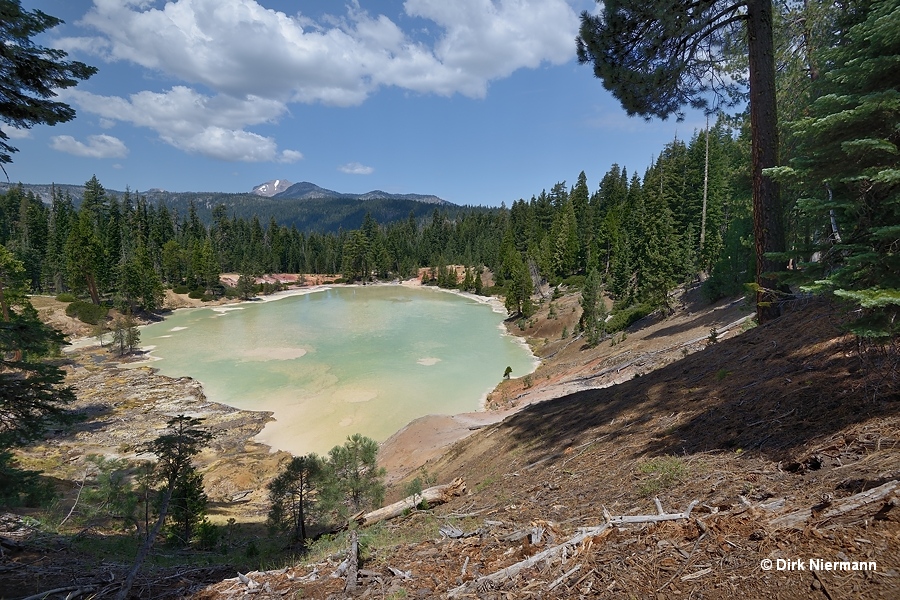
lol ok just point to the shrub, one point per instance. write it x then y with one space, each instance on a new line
494 290
197 294
86 312
573 281
623 318
660 473
66 297
181 289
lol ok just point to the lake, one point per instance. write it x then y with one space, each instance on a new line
341 360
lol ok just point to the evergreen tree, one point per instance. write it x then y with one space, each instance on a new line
519 287
294 495
658 57
32 74
246 286
139 284
174 450
848 159
84 256
356 477
125 334
95 203
31 389
187 507
580 198
61 214
592 308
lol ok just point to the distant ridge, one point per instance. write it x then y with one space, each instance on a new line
303 205
279 189
309 191
270 188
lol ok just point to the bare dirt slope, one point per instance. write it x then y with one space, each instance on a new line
568 366
787 436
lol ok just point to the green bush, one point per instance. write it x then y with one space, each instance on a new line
197 294
494 290
181 289
86 312
66 297
573 281
623 318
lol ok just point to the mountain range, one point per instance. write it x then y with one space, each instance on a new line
303 205
281 188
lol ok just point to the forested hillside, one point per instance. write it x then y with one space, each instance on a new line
641 233
322 210
634 237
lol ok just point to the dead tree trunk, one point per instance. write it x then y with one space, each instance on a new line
433 496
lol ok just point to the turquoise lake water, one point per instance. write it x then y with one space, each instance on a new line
342 360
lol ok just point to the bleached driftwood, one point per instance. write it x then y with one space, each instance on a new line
433 496
511 571
841 513
563 578
353 563
662 516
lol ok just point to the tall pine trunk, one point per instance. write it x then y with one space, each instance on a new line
768 229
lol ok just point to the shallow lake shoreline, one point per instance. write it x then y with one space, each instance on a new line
411 445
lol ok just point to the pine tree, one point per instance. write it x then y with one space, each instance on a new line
295 495
61 214
125 334
357 478
592 309
31 74
185 438
187 506
657 57
84 255
31 389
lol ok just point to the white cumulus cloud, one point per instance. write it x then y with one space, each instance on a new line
356 168
256 61
97 146
241 48
212 126
17 134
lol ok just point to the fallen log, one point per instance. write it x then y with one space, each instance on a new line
857 507
353 567
662 516
433 496
494 579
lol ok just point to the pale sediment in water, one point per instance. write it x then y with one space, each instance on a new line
354 368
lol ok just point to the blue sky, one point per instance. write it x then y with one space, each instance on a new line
475 101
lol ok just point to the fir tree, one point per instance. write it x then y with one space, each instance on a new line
849 159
